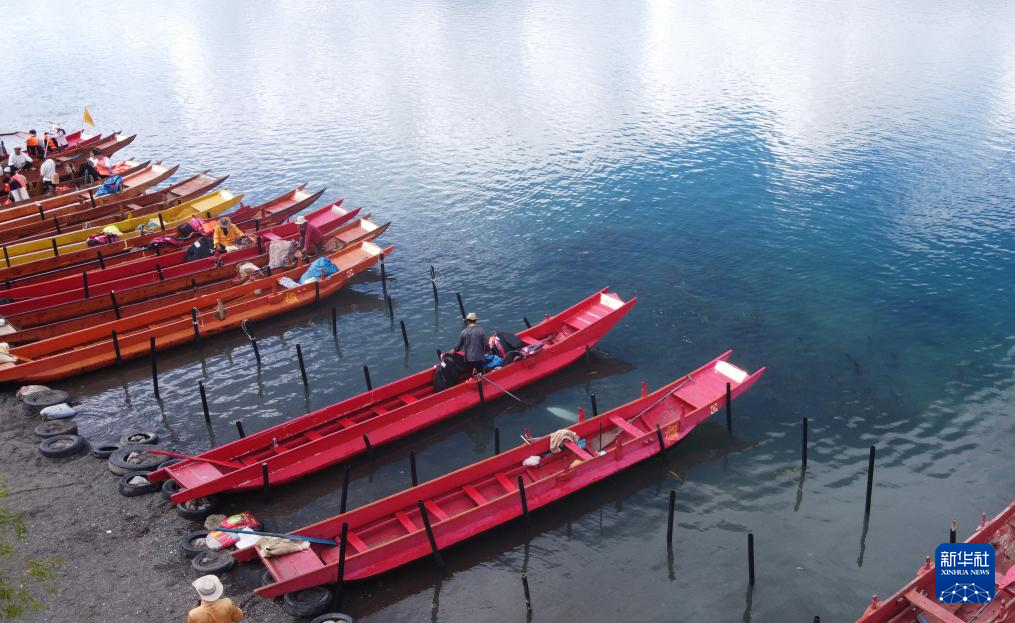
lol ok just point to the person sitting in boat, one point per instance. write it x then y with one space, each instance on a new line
17 185
227 236
88 169
50 142
50 178
104 165
311 238
19 161
32 145
472 343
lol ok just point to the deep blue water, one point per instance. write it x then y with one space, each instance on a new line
824 187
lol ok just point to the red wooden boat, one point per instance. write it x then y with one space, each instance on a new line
47 323
248 218
33 227
916 602
335 433
389 533
143 271
172 325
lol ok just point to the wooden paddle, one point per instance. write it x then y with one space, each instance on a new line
290 537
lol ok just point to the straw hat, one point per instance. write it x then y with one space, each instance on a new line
301 219
208 587
471 317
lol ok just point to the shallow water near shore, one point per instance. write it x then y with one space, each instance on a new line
826 188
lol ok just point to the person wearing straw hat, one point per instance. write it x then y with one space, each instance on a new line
311 238
214 608
472 343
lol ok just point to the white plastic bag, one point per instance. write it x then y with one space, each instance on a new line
59 412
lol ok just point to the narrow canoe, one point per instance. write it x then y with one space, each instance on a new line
76 197
916 602
389 533
335 433
38 324
34 250
33 227
70 289
172 325
246 217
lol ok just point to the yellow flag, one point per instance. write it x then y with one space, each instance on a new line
87 118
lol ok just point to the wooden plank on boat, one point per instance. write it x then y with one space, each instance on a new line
573 447
313 435
474 493
408 398
934 612
356 542
504 482
625 426
436 511
406 522
297 563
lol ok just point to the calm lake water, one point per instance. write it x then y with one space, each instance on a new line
825 187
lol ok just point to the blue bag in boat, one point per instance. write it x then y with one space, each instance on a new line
319 269
112 185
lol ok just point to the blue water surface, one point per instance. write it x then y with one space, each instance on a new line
825 187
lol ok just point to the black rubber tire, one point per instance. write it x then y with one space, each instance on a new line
309 602
210 561
52 428
129 490
61 446
103 449
197 512
120 464
189 544
169 488
334 617
139 438
37 401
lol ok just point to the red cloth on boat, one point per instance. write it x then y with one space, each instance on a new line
311 238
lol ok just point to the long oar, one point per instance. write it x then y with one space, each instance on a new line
291 537
482 377
198 458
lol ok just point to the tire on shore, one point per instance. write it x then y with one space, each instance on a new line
210 561
61 446
193 543
197 510
334 617
130 490
104 448
139 438
136 458
309 602
52 428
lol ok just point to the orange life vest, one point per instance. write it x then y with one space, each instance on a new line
32 141
51 141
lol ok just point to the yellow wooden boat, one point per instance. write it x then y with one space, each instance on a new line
206 207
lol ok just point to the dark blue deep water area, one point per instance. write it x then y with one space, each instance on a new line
824 187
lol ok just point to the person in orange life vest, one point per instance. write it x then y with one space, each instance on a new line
227 236
51 143
5 190
311 238
104 165
214 608
32 145
19 161
18 186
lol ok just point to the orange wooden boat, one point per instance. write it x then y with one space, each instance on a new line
391 532
94 348
36 324
916 602
42 206
32 227
248 218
